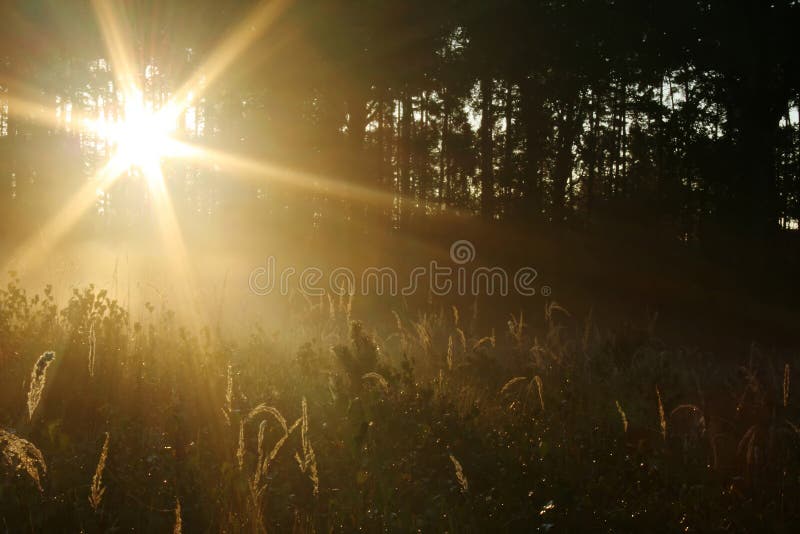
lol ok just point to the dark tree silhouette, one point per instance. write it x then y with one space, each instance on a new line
681 118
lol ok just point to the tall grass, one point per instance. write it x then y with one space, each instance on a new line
424 423
38 381
20 454
97 489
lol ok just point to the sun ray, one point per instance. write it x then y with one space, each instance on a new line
258 170
141 138
181 270
35 250
123 66
231 48
43 113
38 113
248 168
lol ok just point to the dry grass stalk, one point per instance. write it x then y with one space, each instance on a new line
308 463
397 321
22 455
482 341
455 316
262 427
274 412
512 382
332 388
263 468
227 409
240 448
38 380
264 460
662 419
747 446
515 327
450 352
348 309
460 476
424 336
555 306
462 339
97 489
539 385
331 309
378 379
622 416
261 409
92 349
178 528
786 371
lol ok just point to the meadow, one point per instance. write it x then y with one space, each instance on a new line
420 423
637 161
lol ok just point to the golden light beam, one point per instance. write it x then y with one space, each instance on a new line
124 71
181 271
38 113
57 226
237 41
249 167
33 251
44 114
123 67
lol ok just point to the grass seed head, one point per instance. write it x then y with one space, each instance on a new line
38 381
97 489
460 476
22 455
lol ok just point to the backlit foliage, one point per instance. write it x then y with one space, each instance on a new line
381 432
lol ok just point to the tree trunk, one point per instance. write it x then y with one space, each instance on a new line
486 152
532 116
591 162
757 202
508 145
564 160
444 178
356 128
405 154
380 175
754 115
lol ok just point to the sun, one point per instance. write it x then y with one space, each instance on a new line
138 135
141 138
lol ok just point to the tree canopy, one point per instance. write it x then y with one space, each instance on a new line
680 116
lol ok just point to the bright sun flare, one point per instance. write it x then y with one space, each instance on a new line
142 138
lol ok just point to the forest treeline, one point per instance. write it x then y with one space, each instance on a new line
677 116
